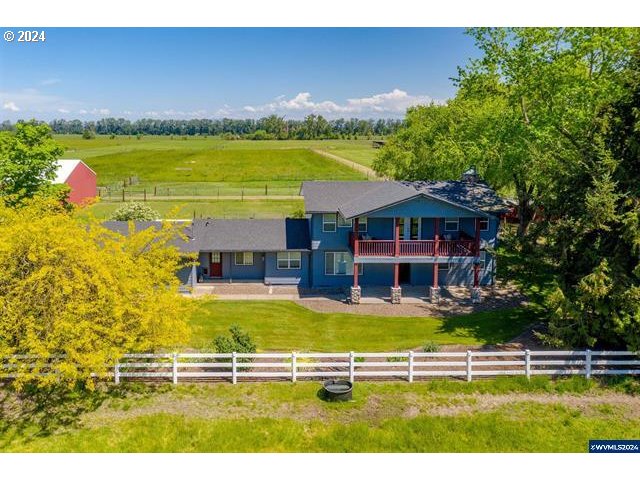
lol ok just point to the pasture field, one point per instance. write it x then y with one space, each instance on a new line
210 166
185 209
359 151
499 415
287 326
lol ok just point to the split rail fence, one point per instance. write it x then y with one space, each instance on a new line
409 366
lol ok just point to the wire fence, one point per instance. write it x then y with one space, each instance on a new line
118 193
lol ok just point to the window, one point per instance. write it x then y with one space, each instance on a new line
289 260
401 227
414 233
444 267
244 258
344 223
363 223
328 222
483 260
215 257
484 224
451 224
339 263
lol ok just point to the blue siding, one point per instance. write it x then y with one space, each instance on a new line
298 277
243 272
231 271
372 274
422 207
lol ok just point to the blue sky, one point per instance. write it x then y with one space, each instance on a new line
90 73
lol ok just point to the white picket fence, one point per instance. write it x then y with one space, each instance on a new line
292 366
386 366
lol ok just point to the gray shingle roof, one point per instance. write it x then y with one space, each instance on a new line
252 235
122 227
353 199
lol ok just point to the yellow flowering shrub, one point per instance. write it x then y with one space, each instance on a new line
83 294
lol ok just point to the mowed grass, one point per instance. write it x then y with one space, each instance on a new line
204 208
501 415
234 167
359 151
287 326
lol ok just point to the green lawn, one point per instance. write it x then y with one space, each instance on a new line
204 208
286 326
501 415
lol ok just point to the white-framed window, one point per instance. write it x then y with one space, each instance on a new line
363 224
215 257
483 259
340 263
244 258
484 224
451 224
328 222
289 260
342 223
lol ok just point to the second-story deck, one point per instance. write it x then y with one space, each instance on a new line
412 248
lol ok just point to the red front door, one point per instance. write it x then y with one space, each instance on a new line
216 264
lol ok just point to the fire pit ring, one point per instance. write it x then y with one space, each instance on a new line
338 390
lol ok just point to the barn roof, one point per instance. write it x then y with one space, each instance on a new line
66 167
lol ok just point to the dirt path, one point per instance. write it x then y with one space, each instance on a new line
217 402
370 173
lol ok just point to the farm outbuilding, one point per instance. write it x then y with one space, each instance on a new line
81 180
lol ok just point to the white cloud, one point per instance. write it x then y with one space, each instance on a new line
50 81
11 106
393 103
63 110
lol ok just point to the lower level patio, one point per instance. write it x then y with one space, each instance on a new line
375 299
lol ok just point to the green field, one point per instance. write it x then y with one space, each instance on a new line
211 166
287 326
501 415
207 208
359 151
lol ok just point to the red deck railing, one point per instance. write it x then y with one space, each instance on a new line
412 248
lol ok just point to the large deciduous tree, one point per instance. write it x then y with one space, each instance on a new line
83 293
526 110
27 160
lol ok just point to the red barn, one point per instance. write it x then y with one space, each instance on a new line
80 178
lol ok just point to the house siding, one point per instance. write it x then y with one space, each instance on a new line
275 276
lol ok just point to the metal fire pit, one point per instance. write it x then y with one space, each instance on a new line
338 390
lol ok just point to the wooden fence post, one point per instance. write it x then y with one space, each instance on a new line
123 194
527 363
469 374
352 369
587 364
411 366
175 369
294 367
116 373
234 372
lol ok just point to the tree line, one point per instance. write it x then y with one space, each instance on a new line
273 127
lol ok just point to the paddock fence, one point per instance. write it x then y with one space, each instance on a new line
294 366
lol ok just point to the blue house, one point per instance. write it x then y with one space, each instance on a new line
388 233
